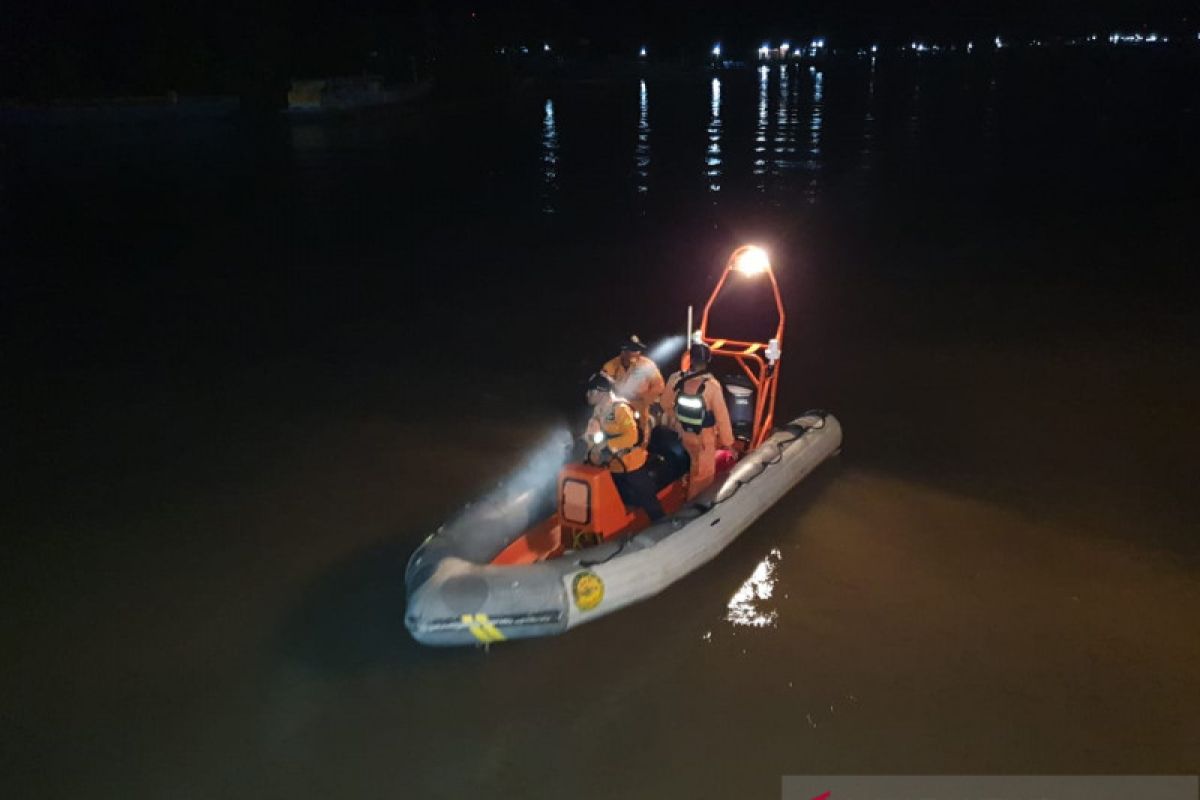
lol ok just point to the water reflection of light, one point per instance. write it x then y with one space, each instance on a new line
760 131
781 111
913 125
713 160
868 136
642 156
785 125
814 135
742 607
549 157
989 111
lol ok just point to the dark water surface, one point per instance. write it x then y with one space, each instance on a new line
251 365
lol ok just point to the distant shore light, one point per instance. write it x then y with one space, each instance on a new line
716 51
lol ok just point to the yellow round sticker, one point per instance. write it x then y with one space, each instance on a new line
588 590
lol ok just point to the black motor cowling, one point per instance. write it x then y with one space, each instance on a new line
739 398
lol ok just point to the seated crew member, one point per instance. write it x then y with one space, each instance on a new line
616 441
637 379
695 408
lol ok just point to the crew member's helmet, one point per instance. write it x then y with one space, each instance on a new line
600 381
634 344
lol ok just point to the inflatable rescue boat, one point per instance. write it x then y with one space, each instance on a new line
548 552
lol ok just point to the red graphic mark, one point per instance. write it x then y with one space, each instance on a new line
822 796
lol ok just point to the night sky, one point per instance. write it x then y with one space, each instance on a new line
74 49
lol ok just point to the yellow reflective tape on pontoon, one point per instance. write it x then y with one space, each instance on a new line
469 621
476 631
491 629
482 628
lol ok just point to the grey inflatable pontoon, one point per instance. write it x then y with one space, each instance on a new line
457 597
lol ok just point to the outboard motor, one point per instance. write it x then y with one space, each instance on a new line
739 397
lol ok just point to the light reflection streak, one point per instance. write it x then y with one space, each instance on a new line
760 131
784 138
713 159
868 136
642 155
989 111
914 118
814 136
549 158
742 608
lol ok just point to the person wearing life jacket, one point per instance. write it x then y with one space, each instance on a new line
638 380
695 408
617 441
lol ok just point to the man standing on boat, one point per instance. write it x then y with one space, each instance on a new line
695 408
616 440
638 380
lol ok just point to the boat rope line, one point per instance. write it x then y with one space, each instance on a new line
781 445
624 541
545 617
